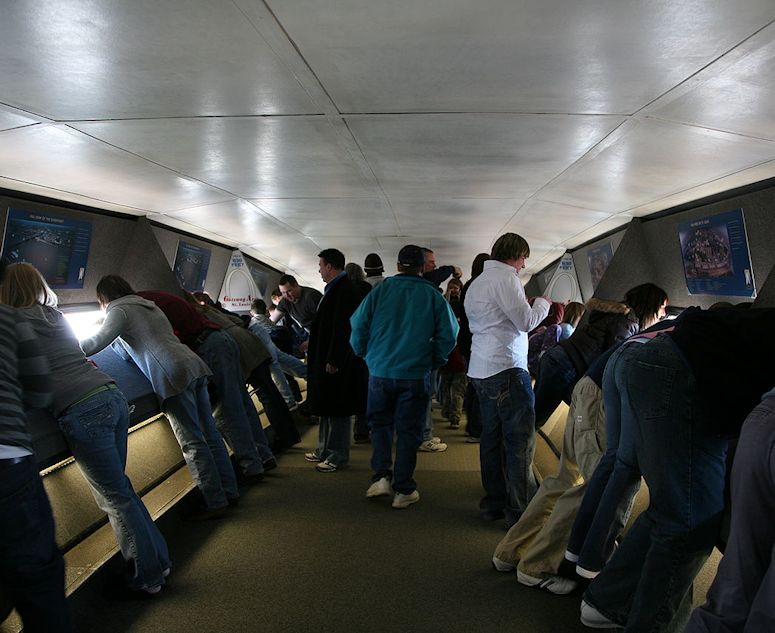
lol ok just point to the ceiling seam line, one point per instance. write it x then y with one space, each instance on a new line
706 127
385 197
546 185
301 56
680 191
706 66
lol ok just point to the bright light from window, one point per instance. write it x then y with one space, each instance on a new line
85 323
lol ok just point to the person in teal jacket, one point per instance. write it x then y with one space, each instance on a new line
403 329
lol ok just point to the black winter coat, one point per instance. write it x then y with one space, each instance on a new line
610 322
344 392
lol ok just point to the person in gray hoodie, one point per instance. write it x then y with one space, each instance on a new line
139 331
93 415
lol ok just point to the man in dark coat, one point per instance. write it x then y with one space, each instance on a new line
333 387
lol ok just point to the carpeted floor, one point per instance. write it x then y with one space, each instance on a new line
306 551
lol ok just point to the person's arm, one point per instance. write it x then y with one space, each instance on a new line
114 324
34 373
279 312
439 275
510 297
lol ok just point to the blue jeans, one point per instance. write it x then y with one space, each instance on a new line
508 442
334 435
473 412
611 490
286 433
427 431
281 364
203 449
396 406
221 354
556 379
646 586
96 431
32 571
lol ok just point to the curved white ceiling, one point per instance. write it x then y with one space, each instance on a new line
287 126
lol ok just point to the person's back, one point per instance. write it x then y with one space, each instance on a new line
151 343
31 566
72 375
405 314
404 328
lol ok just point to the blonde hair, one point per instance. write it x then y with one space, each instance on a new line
23 286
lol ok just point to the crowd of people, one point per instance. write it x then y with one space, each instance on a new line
648 398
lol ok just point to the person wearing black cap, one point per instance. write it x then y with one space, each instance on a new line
404 328
374 269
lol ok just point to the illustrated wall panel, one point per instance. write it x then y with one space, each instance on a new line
661 237
107 248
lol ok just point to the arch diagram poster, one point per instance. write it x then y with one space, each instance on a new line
57 246
191 265
716 257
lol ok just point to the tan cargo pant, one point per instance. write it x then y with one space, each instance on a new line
538 540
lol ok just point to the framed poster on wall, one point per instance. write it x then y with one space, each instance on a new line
598 260
57 246
715 255
191 265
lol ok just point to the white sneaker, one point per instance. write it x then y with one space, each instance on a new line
404 501
380 488
592 618
430 446
554 584
586 573
502 565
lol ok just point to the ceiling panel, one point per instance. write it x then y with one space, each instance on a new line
80 59
554 222
10 119
59 158
238 220
594 56
653 159
251 157
454 218
733 181
67 196
735 95
474 156
355 249
332 216
611 224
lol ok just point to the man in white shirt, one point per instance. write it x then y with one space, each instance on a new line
500 317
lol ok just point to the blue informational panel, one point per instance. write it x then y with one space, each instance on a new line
58 247
191 264
715 255
598 259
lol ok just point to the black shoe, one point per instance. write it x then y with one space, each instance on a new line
249 480
116 589
491 515
270 464
205 514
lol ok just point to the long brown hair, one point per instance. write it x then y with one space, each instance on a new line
23 286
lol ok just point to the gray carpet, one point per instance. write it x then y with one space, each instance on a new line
306 551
